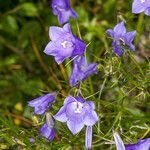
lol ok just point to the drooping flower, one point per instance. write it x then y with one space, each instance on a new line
63 10
77 112
31 140
64 44
81 70
48 130
118 141
121 37
139 6
88 138
141 145
42 103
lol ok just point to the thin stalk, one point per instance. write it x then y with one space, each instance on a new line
99 97
39 58
138 66
146 133
18 52
79 33
139 27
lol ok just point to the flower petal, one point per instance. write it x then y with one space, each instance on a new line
137 7
51 48
73 14
74 125
120 28
110 32
141 145
91 69
147 11
41 104
91 118
38 100
119 142
81 70
118 50
56 49
75 76
67 28
63 9
55 32
88 138
128 38
69 99
61 115
39 110
91 103
58 5
64 16
79 47
47 132
80 99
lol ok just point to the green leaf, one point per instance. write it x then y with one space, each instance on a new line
9 24
29 9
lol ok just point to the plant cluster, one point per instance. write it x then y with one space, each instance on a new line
76 112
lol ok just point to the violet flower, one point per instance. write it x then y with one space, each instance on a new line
139 6
77 112
48 130
81 70
118 141
88 138
64 44
121 37
42 103
32 140
141 145
63 10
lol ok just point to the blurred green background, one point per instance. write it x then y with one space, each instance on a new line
120 89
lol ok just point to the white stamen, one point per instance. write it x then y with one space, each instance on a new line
142 1
79 107
64 44
122 41
83 68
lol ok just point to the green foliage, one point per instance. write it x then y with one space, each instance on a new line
120 89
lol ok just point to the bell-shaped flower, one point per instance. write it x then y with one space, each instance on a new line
63 10
42 103
48 130
139 6
141 145
81 70
121 37
118 141
77 112
88 138
63 44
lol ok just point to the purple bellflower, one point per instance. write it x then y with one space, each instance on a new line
64 44
31 140
42 103
77 112
121 37
48 130
81 70
118 141
141 145
63 10
88 138
139 6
